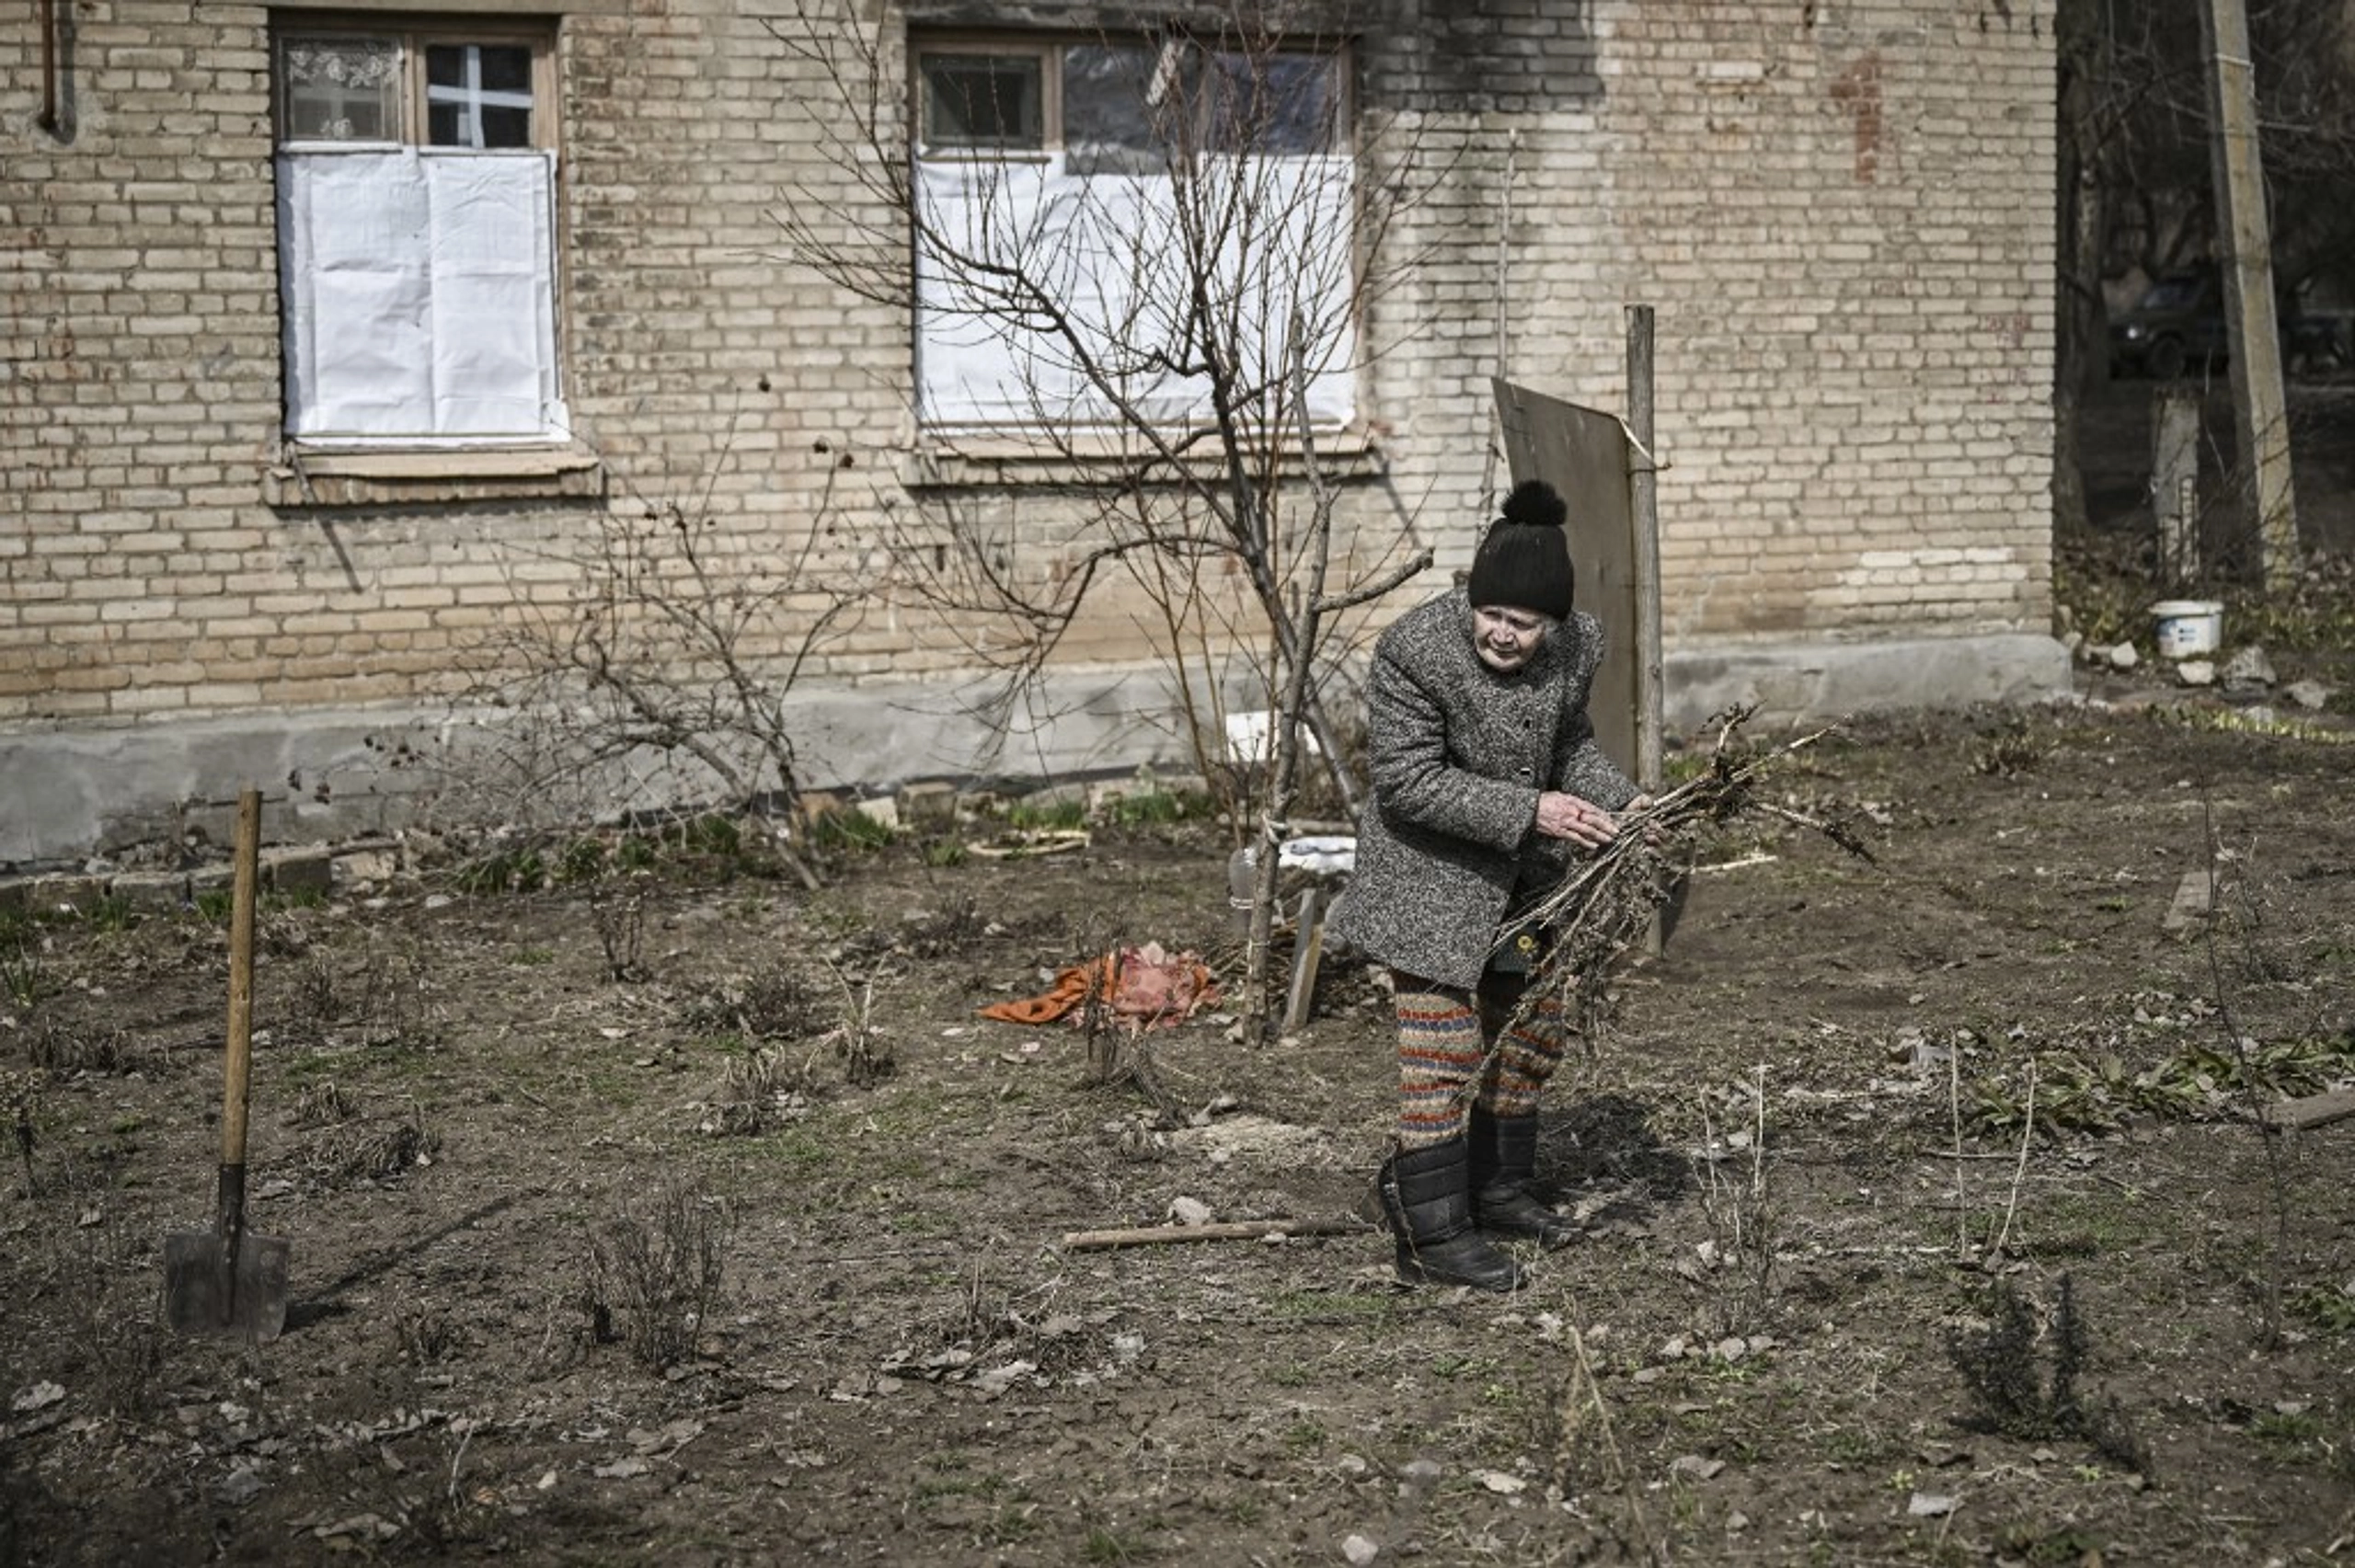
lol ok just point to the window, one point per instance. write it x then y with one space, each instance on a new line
1071 194
416 225
975 101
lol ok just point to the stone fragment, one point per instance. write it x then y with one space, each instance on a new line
156 892
2249 667
55 895
366 868
928 807
297 870
1418 1476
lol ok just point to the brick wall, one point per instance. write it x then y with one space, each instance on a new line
1840 211
1840 214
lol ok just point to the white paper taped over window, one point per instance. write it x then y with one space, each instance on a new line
1109 255
420 296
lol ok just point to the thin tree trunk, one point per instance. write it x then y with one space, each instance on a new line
2081 350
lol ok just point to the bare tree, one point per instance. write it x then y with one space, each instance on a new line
675 645
1158 299
2135 174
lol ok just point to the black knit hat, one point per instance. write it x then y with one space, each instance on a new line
1525 560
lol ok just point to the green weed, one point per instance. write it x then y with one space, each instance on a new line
1329 1306
110 914
2198 1083
850 831
711 834
2293 1437
2327 1310
1304 1437
1106 1545
583 860
1059 814
1851 1446
1157 808
507 870
24 970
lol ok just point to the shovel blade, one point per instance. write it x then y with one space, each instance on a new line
207 1291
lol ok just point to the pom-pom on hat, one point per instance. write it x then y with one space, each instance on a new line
1525 560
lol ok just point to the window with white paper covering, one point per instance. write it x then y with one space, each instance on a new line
1071 193
415 228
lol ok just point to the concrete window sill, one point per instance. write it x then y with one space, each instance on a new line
306 477
982 460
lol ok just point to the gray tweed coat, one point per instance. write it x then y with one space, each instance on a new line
1448 845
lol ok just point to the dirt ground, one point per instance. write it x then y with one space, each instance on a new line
1928 1217
664 1211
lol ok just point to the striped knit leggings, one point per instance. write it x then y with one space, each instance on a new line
1445 1036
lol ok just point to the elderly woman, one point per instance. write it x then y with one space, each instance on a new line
1486 780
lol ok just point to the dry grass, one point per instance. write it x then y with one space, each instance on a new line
655 1273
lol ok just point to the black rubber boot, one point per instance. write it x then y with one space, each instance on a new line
1426 1195
1503 1160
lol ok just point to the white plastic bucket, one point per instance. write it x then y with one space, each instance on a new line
2189 627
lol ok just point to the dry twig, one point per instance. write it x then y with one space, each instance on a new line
1606 904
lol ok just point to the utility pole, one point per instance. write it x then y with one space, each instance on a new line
2259 411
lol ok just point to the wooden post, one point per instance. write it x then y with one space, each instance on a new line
2175 480
1644 496
2259 409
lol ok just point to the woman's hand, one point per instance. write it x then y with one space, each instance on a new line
1582 822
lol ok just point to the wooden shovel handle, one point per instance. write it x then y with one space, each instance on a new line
238 1070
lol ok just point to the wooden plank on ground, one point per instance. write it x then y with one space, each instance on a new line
1308 942
2315 1110
1232 1231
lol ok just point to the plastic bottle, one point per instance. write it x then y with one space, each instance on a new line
1242 885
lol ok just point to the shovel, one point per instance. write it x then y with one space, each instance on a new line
225 1280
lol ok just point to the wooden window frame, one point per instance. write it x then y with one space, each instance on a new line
1048 49
412 32
314 472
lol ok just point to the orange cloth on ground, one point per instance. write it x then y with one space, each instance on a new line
1141 987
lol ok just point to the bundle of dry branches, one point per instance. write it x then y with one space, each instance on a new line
1604 907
